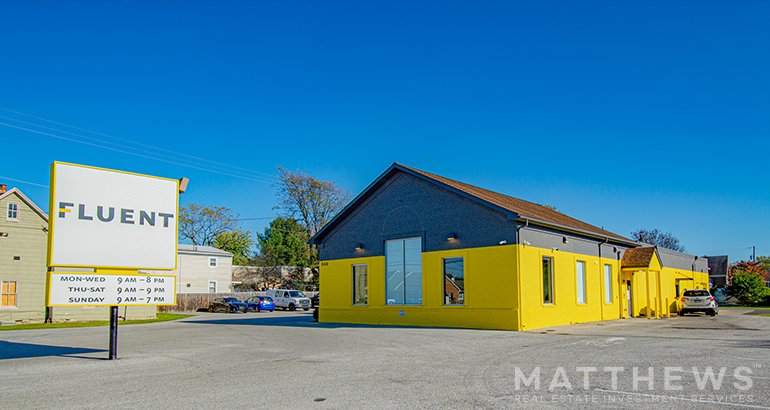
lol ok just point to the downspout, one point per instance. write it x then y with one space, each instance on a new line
606 241
693 268
518 271
601 272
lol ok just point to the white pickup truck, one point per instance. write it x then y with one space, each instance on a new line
289 299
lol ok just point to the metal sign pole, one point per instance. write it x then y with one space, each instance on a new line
113 332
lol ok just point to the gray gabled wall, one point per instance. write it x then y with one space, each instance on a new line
408 206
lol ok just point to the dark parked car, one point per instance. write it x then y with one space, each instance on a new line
258 303
314 301
229 305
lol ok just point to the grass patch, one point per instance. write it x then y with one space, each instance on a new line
764 314
162 317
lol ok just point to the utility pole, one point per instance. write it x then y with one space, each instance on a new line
753 253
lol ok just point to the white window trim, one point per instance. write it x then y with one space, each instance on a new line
16 299
8 209
608 285
208 286
577 283
216 262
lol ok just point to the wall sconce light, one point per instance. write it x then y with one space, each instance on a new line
503 242
4 234
526 243
564 239
452 236
359 246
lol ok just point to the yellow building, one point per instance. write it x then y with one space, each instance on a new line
422 250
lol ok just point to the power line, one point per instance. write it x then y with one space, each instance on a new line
25 182
138 155
124 146
137 143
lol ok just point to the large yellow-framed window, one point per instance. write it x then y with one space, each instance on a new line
360 286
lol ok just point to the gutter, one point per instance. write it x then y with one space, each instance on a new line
594 235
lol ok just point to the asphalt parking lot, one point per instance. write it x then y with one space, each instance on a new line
284 360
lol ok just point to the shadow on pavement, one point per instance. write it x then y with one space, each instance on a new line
295 321
13 350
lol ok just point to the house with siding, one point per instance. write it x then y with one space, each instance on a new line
23 269
201 269
405 249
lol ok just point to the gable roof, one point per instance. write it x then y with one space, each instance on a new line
638 257
26 201
201 249
514 208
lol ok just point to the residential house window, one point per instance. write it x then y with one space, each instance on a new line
580 273
607 283
212 262
8 294
403 260
359 285
212 286
547 280
13 212
454 281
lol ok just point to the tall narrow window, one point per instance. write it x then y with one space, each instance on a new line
13 212
580 273
8 294
454 281
212 286
607 283
213 262
359 285
547 280
403 260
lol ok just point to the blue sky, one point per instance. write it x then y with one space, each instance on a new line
625 115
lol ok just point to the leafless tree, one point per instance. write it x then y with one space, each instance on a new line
313 202
201 224
658 238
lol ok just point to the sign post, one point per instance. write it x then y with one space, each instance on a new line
113 333
116 223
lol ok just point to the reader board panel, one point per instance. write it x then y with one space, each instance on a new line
103 218
93 289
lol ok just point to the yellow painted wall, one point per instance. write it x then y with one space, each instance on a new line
565 309
492 297
490 292
661 283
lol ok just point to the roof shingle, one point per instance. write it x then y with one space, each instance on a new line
519 206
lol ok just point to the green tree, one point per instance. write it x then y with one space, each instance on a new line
748 287
312 203
284 243
237 242
657 238
200 224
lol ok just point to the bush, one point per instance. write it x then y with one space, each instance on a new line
749 288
